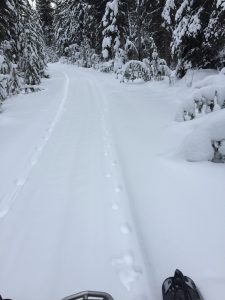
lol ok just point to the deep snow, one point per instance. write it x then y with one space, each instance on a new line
95 192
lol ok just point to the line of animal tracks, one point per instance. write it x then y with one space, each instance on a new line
129 260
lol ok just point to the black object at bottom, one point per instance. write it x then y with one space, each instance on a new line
89 295
179 287
3 299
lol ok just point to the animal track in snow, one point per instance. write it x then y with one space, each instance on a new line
34 161
115 206
127 271
118 189
125 229
3 212
20 181
39 148
114 163
108 175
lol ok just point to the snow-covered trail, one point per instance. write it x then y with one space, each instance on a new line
92 197
64 225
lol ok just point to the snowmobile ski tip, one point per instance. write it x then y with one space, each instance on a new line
180 287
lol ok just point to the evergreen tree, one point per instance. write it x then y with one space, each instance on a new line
69 24
45 10
142 23
194 25
9 79
76 36
115 25
31 61
96 26
215 32
22 49
146 30
3 20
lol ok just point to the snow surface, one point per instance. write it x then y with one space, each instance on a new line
95 192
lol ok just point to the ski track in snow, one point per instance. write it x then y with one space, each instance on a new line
7 201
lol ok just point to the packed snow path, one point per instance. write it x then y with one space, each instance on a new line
90 198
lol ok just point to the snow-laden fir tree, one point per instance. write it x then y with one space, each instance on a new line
45 10
9 79
4 38
68 24
115 25
215 32
46 14
142 19
31 47
195 28
97 11
75 31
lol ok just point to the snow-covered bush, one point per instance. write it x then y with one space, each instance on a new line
198 146
155 69
135 69
95 61
172 76
119 61
159 66
107 66
131 50
207 96
219 151
207 141
80 55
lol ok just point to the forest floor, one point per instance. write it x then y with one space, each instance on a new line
95 196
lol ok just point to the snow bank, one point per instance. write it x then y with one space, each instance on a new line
198 147
206 95
206 141
205 104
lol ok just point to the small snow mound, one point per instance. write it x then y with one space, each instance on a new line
198 147
115 206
